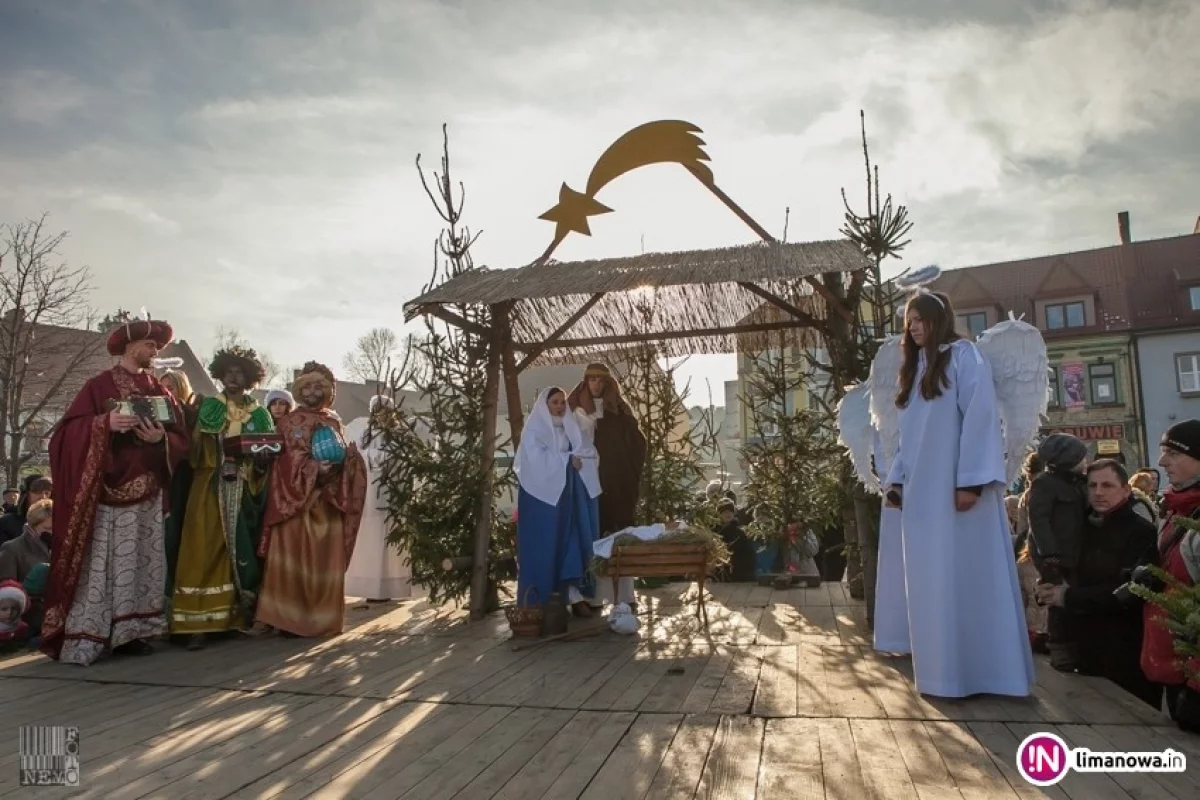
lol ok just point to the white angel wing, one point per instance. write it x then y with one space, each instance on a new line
885 383
1021 371
856 434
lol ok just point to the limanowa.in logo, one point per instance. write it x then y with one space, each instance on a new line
1044 759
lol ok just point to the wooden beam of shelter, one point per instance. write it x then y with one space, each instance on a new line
817 286
512 386
457 320
779 302
633 338
536 350
483 522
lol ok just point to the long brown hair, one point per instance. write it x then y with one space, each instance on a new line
937 313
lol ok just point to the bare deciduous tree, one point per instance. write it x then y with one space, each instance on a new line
372 355
43 305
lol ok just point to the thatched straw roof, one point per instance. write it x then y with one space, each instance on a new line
686 298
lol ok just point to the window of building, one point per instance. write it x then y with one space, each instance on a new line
1102 380
1066 315
1187 366
1052 390
974 323
1194 297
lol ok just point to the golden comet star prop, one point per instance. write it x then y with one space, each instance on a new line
661 142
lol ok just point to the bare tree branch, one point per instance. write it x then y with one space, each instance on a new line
43 304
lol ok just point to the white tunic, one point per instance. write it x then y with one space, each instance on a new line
891 597
967 625
377 569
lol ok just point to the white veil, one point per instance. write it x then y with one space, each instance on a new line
541 464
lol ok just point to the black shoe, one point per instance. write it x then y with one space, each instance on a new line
138 647
196 641
581 609
633 609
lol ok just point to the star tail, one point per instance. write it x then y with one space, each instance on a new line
706 178
661 142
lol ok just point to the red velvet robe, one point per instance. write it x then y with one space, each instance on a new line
92 466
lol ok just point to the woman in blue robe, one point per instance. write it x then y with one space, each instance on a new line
558 517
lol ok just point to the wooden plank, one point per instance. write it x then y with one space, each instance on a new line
392 773
609 668
219 771
732 767
971 767
581 770
676 685
1139 785
1134 739
737 690
883 768
453 777
850 694
895 692
541 763
399 737
681 770
812 684
926 768
791 761
702 693
778 684
537 740
851 622
840 767
1079 699
1001 744
631 767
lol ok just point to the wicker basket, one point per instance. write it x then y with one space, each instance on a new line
525 621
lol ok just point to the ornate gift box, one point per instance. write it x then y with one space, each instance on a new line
248 445
154 408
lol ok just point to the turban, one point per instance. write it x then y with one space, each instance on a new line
137 330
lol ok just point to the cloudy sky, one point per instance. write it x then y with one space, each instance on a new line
251 163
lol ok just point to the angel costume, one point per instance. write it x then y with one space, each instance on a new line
872 457
965 617
558 517
377 571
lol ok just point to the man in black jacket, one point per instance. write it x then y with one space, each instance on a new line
1107 633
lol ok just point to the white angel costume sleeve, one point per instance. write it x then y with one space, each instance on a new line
1021 376
857 435
885 416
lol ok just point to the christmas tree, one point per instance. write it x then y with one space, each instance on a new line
1182 606
432 468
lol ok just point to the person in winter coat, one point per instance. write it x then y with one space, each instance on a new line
1179 556
1057 514
1107 632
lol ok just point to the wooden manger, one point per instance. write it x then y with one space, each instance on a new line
662 561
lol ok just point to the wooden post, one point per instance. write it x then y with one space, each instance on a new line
512 388
483 523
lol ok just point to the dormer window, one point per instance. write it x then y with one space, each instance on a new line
1066 315
974 323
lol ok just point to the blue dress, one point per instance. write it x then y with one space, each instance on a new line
554 543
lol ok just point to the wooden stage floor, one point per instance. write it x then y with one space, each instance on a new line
782 698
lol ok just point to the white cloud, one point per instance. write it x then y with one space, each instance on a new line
275 144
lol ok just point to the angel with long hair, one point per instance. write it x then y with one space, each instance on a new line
960 417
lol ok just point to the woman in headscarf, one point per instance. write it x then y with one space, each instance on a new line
377 570
558 517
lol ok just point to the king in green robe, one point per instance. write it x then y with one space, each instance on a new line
218 571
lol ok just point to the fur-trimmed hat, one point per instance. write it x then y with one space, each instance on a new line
244 357
139 330
314 371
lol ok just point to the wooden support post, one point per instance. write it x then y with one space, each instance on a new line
483 523
512 389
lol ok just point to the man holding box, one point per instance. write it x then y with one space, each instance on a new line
218 571
112 456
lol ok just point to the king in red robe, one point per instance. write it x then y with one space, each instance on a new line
111 470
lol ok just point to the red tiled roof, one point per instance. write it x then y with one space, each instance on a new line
1137 286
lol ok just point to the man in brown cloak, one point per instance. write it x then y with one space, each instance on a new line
621 451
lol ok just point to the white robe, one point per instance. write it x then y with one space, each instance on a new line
891 597
966 621
377 569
